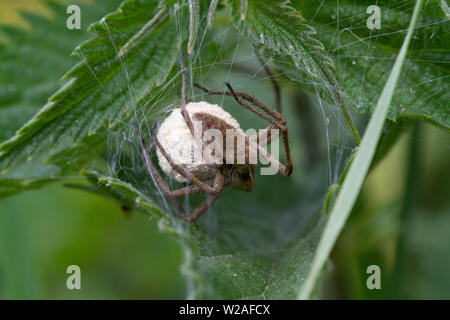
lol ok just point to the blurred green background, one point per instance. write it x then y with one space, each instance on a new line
401 223
121 255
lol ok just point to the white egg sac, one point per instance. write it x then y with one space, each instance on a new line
178 142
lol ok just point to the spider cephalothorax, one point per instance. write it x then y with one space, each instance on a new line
226 157
242 177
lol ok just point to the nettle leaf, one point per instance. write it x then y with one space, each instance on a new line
34 61
279 27
99 93
364 57
123 192
9 187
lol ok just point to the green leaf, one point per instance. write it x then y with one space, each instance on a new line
280 28
34 61
364 57
104 88
123 192
358 169
9 187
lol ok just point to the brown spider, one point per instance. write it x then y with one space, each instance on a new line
240 176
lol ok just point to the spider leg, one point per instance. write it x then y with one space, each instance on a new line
265 136
189 190
159 180
184 111
188 120
286 169
278 122
210 199
204 186
193 189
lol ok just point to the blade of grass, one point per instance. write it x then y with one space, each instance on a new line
360 166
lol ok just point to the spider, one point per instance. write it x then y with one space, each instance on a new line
239 176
